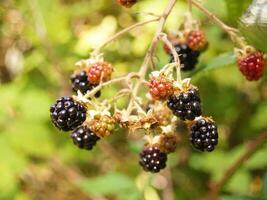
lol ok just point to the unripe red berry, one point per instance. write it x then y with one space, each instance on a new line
160 87
252 65
196 40
127 3
98 71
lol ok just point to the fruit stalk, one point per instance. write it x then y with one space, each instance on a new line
149 54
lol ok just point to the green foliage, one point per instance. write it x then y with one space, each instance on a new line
236 8
112 183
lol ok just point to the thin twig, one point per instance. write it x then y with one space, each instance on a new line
214 18
112 81
250 149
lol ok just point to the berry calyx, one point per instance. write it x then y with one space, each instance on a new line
84 138
188 57
152 159
160 87
185 105
98 71
167 143
67 114
80 82
102 125
252 65
204 134
127 3
196 40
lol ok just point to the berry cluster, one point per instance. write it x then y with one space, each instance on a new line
184 102
70 113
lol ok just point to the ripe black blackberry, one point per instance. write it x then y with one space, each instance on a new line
152 159
204 135
84 138
188 57
67 114
80 82
185 105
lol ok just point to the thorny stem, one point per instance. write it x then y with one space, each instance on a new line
233 33
149 55
251 148
98 49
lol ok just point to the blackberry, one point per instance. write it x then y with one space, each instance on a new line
80 82
152 159
188 57
204 135
67 114
84 138
185 105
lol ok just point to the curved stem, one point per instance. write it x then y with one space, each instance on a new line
149 54
112 38
112 81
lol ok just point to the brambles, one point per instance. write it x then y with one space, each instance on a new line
204 134
127 3
188 57
84 138
160 87
252 65
152 159
99 71
196 40
66 114
185 104
170 97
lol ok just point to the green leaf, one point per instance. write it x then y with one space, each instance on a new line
112 183
236 8
222 60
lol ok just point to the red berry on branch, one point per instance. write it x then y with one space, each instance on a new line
127 3
252 66
196 40
160 87
98 71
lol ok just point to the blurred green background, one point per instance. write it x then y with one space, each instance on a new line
40 41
